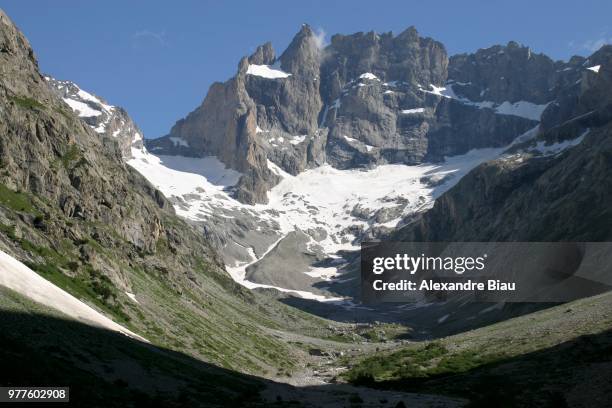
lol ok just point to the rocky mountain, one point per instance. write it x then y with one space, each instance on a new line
364 99
302 216
262 109
506 73
356 139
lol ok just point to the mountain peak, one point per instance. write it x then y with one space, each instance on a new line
514 44
263 55
410 33
305 30
302 54
14 43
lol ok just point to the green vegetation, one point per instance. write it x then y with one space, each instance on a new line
419 362
9 231
62 352
62 266
27 102
72 155
375 333
385 332
66 114
15 200
90 284
532 358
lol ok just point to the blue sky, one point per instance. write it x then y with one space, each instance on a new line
157 59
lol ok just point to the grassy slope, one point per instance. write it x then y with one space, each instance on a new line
104 368
541 358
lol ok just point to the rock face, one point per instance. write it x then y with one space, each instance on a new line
585 93
69 166
63 166
552 185
364 99
377 109
111 122
504 73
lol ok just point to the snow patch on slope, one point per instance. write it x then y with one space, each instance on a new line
594 68
91 98
179 141
355 142
18 277
296 140
132 297
266 71
202 179
524 109
368 75
103 118
556 148
82 109
412 111
84 104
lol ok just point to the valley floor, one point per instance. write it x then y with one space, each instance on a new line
102 366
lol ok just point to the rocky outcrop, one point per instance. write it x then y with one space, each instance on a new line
544 199
497 93
269 111
588 92
297 123
406 57
225 126
263 113
551 186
